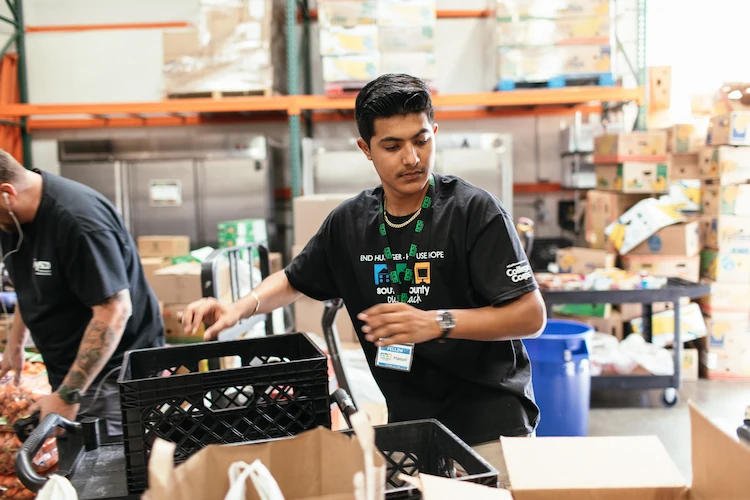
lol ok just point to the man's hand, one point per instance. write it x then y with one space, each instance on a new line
53 403
13 359
387 324
213 313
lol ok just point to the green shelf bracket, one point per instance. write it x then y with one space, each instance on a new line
292 62
641 122
19 38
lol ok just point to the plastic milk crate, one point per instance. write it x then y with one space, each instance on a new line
279 388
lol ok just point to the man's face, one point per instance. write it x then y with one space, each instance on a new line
403 151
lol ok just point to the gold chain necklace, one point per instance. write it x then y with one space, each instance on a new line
402 224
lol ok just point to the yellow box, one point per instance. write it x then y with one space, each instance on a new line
659 88
633 177
729 233
353 68
339 41
634 144
728 164
690 365
511 10
544 63
420 64
407 13
728 330
346 13
730 129
725 200
684 139
581 30
725 267
692 325
687 268
407 38
583 260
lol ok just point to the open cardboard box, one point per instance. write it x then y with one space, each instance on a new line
627 467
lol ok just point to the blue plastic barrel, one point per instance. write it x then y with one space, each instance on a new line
561 377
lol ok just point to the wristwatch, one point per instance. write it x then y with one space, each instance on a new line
446 321
69 395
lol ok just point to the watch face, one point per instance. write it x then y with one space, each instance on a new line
447 320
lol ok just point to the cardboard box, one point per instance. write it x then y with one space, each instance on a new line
687 268
631 311
241 232
682 239
407 13
602 209
181 283
648 146
692 325
534 32
512 10
627 467
338 41
730 129
659 88
583 260
721 364
686 195
726 297
690 365
612 325
729 233
152 264
728 164
311 211
163 246
729 331
537 64
641 221
308 315
684 139
347 13
724 267
351 68
725 200
683 166
407 39
174 333
316 465
633 177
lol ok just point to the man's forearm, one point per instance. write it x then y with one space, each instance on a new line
522 318
19 334
100 340
274 292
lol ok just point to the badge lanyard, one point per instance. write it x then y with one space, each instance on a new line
400 356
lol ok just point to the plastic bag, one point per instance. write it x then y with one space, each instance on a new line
46 459
15 401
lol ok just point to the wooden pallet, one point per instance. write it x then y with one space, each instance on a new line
593 80
220 94
352 89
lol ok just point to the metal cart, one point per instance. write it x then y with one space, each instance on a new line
674 290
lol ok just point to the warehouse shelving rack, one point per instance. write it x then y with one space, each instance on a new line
313 108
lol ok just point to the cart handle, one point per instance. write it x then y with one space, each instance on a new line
345 404
34 441
331 337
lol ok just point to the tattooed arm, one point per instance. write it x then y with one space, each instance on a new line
99 342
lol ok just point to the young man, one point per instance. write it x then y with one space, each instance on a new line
81 290
427 260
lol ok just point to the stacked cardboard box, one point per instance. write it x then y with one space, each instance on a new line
360 40
237 46
309 214
539 40
725 263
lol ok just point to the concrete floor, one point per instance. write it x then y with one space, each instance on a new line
627 413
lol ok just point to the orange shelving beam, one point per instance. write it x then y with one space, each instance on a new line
440 14
104 27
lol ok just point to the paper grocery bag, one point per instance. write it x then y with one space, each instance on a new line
316 465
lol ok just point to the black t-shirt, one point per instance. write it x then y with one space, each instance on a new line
469 257
76 254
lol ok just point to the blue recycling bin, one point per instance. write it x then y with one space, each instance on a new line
561 377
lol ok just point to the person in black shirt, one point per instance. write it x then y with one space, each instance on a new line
432 273
81 290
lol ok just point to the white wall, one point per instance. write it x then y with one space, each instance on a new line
107 66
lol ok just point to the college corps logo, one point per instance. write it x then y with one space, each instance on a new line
518 271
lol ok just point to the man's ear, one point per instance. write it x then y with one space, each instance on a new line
364 147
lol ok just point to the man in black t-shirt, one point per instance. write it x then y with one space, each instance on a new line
432 273
81 290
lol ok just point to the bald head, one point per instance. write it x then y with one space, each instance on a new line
10 170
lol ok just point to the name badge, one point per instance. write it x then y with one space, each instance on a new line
395 357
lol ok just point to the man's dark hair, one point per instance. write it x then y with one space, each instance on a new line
391 95
10 169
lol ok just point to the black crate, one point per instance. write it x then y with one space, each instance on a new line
280 390
428 447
